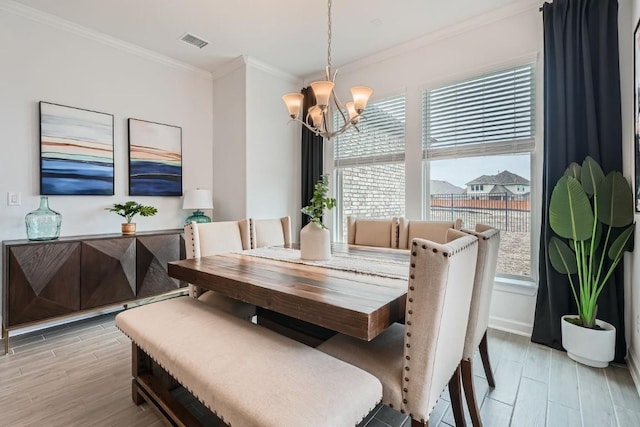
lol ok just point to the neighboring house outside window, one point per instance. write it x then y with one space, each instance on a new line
477 143
478 135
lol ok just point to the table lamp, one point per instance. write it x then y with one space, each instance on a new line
197 199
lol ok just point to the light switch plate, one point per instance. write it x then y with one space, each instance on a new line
14 198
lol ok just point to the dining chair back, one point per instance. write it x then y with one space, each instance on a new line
417 360
213 238
476 337
436 231
270 232
372 232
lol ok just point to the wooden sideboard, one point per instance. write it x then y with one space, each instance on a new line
43 281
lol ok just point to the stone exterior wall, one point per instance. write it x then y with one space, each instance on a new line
372 192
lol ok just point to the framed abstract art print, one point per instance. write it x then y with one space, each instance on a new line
155 159
76 151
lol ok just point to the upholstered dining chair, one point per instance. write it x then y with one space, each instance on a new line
213 238
415 361
436 231
270 232
488 245
372 232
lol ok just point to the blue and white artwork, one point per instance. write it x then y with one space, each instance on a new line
76 151
155 159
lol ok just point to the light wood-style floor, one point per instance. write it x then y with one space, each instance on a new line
79 374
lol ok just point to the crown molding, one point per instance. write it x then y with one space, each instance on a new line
259 65
247 61
499 14
228 67
71 27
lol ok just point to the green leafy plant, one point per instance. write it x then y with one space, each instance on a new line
130 209
319 202
584 202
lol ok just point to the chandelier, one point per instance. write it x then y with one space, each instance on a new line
318 116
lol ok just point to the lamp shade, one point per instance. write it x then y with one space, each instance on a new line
197 199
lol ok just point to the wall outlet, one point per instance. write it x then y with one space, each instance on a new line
14 198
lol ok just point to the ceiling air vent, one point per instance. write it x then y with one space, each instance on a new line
193 40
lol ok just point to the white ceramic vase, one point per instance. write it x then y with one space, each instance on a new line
591 347
315 242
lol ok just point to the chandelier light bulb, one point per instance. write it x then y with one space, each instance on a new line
294 104
353 114
360 96
322 90
316 117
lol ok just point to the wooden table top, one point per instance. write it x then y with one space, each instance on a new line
356 304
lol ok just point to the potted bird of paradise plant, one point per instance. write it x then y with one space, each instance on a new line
592 216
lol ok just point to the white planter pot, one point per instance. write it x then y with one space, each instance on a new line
591 347
315 242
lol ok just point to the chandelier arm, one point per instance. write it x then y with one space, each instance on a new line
339 107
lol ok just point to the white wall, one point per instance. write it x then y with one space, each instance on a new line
273 149
256 157
509 36
42 61
229 147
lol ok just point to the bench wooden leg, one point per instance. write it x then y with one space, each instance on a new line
141 364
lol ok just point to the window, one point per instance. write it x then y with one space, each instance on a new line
478 136
370 170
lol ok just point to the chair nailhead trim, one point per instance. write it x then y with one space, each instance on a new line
415 244
413 265
406 368
408 357
408 334
412 287
414 253
404 401
435 251
413 277
409 322
410 312
408 345
406 379
406 390
402 410
410 299
424 246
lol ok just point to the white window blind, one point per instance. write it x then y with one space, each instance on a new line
492 114
380 139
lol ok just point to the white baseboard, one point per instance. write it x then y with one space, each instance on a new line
512 326
635 372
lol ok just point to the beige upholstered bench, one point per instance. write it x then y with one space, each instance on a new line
246 374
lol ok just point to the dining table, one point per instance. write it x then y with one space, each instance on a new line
359 291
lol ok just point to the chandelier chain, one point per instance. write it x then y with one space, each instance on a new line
329 38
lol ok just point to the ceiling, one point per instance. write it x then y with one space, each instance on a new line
290 35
